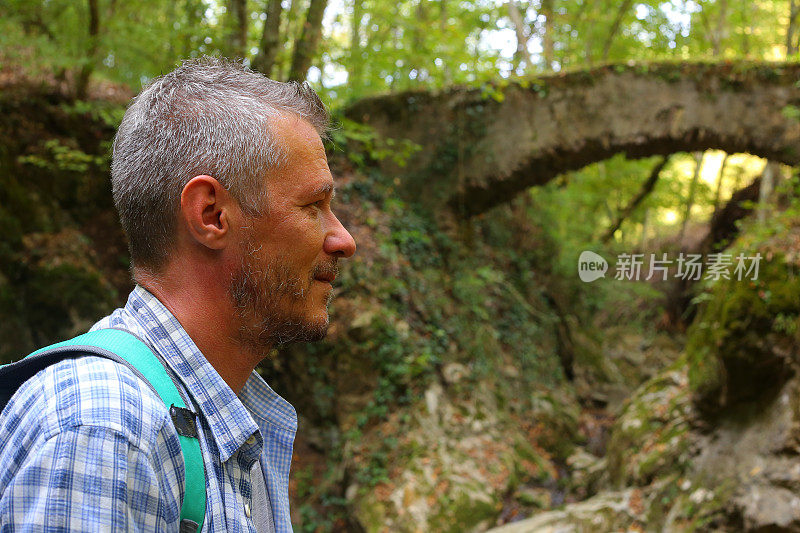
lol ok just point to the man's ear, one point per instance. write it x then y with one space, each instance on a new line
206 209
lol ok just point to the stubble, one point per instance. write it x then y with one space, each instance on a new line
271 302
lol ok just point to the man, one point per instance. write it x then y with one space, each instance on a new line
224 191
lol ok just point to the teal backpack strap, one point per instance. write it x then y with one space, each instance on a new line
126 348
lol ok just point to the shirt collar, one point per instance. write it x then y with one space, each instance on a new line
266 405
230 421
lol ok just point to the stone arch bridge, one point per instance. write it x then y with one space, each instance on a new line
483 146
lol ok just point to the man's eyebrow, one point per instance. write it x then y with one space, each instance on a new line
325 189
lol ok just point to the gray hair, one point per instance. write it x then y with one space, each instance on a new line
208 116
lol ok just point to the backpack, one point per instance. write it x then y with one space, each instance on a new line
126 348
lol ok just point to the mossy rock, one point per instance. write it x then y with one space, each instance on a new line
558 416
694 509
743 343
650 439
370 513
463 513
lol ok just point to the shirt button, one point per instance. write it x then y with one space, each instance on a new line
247 509
251 440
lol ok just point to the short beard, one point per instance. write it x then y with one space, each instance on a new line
266 300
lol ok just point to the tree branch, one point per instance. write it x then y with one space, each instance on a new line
646 189
623 8
522 54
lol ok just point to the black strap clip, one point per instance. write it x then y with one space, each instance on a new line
185 421
188 526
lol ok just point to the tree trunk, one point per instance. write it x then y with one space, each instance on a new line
237 10
270 44
564 337
723 229
238 33
612 33
354 76
720 32
521 56
770 178
609 211
794 14
720 178
548 32
82 81
418 59
747 19
764 192
737 181
646 189
306 45
698 157
448 77
420 27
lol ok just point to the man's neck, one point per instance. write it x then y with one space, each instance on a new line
204 309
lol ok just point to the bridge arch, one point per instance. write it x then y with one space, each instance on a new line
484 146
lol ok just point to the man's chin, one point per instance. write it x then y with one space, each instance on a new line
315 334
309 333
317 328
306 329
276 334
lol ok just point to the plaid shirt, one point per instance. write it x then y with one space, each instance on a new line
86 446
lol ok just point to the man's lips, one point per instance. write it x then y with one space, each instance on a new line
326 273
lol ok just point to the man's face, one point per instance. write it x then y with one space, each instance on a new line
288 257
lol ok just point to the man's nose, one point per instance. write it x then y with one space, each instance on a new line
338 241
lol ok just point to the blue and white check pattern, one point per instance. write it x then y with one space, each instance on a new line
86 446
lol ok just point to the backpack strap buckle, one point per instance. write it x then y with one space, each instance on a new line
185 421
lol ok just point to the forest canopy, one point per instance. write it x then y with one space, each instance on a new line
351 48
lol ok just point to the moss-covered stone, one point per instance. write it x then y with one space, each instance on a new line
370 513
463 513
693 508
558 416
650 439
744 341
